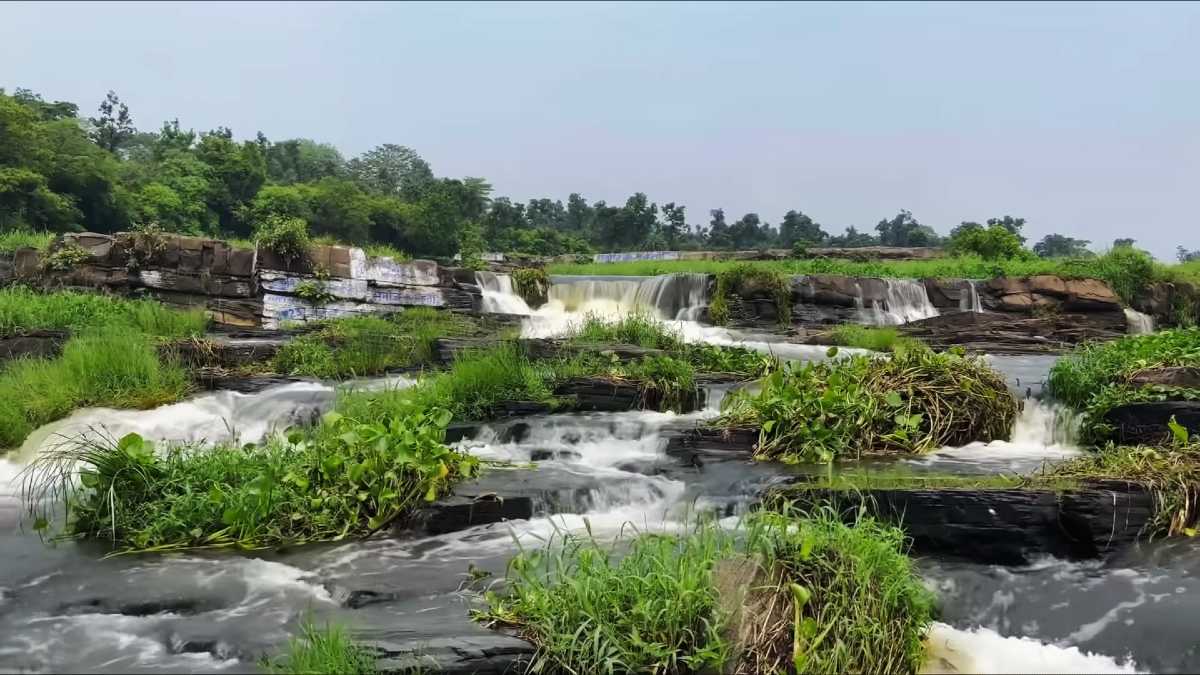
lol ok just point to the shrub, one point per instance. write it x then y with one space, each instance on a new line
286 236
915 401
315 292
745 279
994 242
863 337
532 284
66 258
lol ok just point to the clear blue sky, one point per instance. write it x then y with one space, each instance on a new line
1083 118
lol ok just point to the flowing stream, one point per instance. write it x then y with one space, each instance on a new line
65 608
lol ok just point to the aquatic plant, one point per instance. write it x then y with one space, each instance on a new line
880 339
347 477
799 591
532 284
326 650
745 279
915 401
110 366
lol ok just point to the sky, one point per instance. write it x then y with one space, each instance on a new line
1082 118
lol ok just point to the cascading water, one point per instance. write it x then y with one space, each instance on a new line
905 300
969 301
668 296
498 296
1139 324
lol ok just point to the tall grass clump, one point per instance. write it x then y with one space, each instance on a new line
23 310
325 650
746 280
795 592
12 240
369 345
653 609
637 328
112 367
915 401
863 337
348 477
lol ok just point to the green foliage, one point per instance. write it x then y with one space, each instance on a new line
112 366
378 250
745 280
287 237
348 477
324 651
863 337
652 610
359 346
1126 269
635 328
1171 475
314 291
65 258
915 401
23 310
1084 373
994 242
12 240
532 284
800 592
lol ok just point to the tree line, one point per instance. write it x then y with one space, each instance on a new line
61 172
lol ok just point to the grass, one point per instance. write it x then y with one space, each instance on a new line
111 366
347 477
862 337
23 310
801 592
1171 474
1095 377
915 401
369 345
15 239
326 650
532 284
901 479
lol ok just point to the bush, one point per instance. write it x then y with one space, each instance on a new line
532 284
745 279
65 258
915 401
287 237
994 242
863 337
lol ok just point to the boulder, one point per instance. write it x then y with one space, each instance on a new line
1146 422
1090 294
1047 284
1177 376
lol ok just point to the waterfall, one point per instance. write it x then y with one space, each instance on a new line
969 301
670 296
904 300
1139 324
498 296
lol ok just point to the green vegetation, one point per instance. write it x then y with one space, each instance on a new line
347 477
110 366
368 345
1095 377
322 651
748 280
862 337
805 593
859 478
287 237
1171 474
15 239
23 310
915 401
532 284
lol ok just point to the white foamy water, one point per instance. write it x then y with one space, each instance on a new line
498 296
969 302
1043 433
905 300
1139 324
982 650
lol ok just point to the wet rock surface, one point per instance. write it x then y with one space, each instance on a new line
1004 333
1148 422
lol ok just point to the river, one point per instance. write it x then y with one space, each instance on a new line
63 608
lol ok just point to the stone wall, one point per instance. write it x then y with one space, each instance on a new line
243 287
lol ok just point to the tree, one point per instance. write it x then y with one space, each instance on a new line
1185 255
545 214
302 160
235 173
852 238
114 126
1013 225
501 221
718 231
674 224
58 110
579 217
991 243
797 227
26 201
339 208
1124 243
904 230
392 169
750 232
1060 246
627 227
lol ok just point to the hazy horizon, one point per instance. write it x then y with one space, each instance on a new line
1078 117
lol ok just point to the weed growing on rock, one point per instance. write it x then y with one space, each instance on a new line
745 280
327 649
